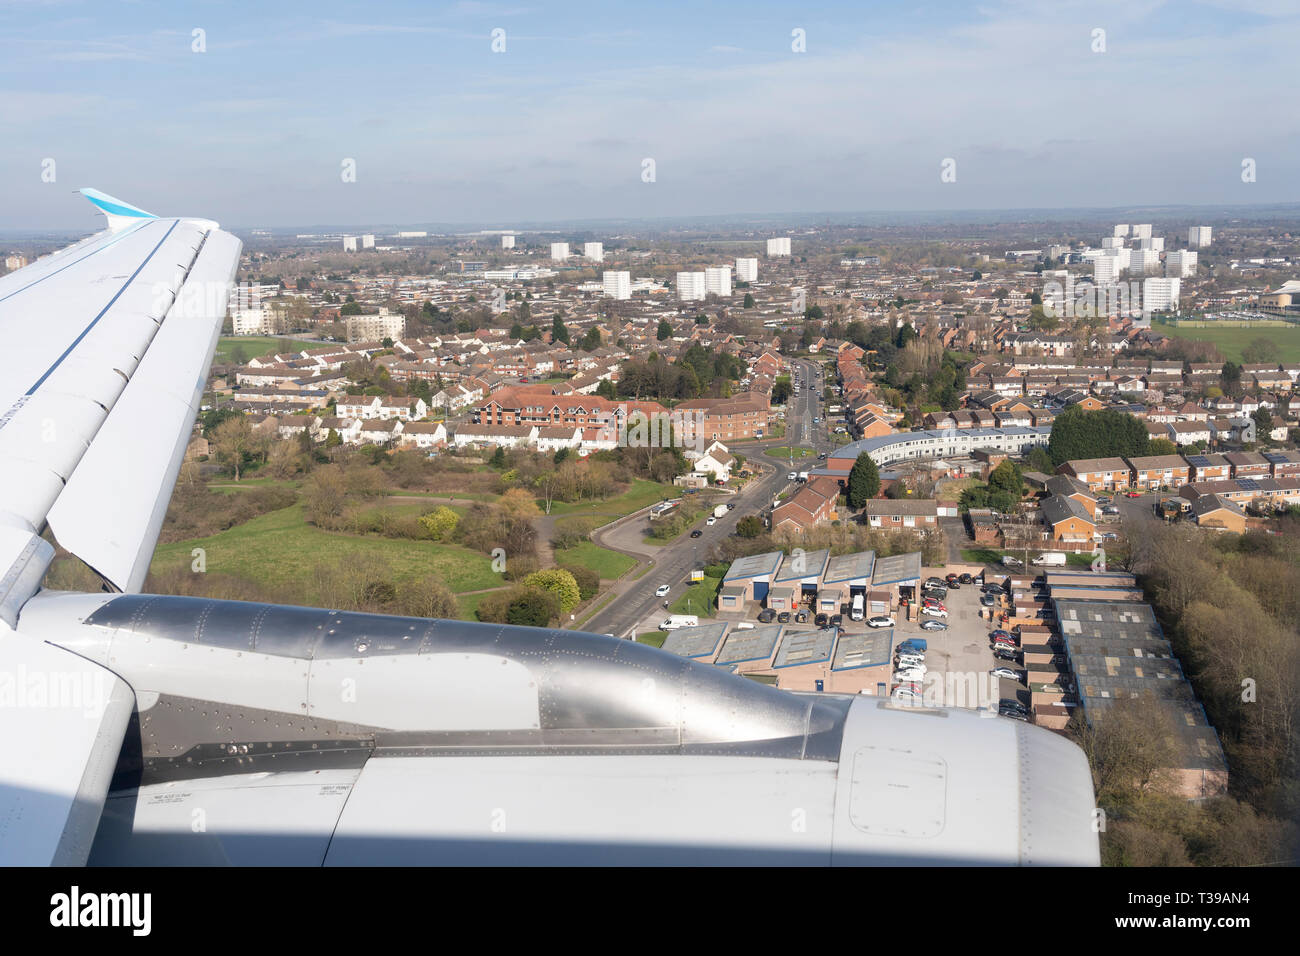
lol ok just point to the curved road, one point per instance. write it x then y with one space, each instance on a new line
635 608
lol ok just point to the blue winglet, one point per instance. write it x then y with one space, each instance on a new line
119 214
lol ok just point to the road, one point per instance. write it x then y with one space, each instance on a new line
635 608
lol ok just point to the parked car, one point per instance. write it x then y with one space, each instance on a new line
1012 714
1003 642
1007 654
988 600
965 579
1110 536
822 620
793 476
1001 633
1110 510
801 617
880 620
909 660
1132 494
837 620
952 579
934 582
663 589
710 521
783 617
935 611
933 625
1006 672
1012 704
731 506
766 616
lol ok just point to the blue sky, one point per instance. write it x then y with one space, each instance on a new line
254 130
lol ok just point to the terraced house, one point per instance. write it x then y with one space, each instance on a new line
1099 474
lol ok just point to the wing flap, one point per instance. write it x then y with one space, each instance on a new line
112 508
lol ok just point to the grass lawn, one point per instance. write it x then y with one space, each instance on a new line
700 598
653 638
255 346
981 555
1083 560
651 539
608 564
281 549
1230 341
640 494
785 452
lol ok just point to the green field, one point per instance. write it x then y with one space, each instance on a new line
700 598
255 346
1231 341
785 453
608 564
638 496
653 638
280 549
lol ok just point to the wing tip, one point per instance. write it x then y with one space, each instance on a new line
118 213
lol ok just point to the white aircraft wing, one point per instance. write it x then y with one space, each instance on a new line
104 349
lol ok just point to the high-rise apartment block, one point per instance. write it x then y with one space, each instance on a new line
595 251
778 247
691 286
617 285
559 251
1198 237
1160 295
717 280
507 242
747 270
1181 264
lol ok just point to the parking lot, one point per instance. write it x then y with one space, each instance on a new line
959 659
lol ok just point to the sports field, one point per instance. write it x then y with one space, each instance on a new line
1230 341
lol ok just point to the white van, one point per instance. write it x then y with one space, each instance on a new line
858 611
680 620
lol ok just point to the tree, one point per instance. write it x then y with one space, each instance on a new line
864 481
588 580
1006 478
558 582
1161 446
1260 350
1263 419
325 494
232 441
750 526
559 333
749 300
1102 434
428 597
606 389
441 523
498 459
530 607
665 330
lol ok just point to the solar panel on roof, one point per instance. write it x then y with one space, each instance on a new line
1247 484
1275 457
1200 461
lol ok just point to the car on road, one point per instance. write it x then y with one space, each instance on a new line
880 620
766 616
696 533
933 625
711 521
663 589
783 617
822 620
935 611
822 456
1132 494
1006 672
793 476
731 506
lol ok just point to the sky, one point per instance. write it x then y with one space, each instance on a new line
1034 108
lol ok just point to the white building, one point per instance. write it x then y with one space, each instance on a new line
559 251
375 328
254 322
412 235
1160 295
507 242
1141 261
1181 264
1152 242
595 251
1142 231
1105 270
747 270
1198 236
349 243
1121 230
367 242
691 286
1111 242
617 285
778 247
717 280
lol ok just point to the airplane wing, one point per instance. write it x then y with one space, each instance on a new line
104 349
